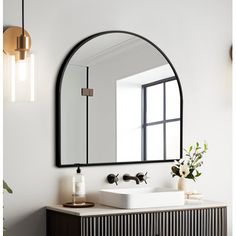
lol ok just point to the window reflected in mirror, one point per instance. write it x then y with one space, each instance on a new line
161 128
148 116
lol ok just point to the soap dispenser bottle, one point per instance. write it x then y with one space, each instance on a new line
78 181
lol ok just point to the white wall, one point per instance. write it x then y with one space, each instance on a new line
195 35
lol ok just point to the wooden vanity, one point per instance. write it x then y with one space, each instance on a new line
207 218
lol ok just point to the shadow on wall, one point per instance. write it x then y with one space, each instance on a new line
64 189
31 225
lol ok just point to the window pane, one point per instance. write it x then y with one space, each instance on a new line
154 103
155 142
128 121
172 100
173 140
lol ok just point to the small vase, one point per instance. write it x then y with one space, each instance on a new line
182 184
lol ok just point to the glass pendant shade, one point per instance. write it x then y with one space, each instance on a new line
20 77
19 66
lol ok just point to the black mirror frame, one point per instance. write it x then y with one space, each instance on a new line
58 101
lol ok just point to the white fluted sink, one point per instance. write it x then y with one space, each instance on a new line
141 197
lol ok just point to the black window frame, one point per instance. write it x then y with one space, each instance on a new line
145 124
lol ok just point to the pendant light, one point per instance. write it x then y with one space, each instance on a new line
19 63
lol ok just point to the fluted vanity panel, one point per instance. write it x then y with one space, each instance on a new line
196 222
201 222
191 222
120 225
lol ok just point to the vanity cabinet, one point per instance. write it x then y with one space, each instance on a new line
206 221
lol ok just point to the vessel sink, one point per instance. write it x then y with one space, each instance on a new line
141 197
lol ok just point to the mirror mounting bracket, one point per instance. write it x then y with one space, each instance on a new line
87 92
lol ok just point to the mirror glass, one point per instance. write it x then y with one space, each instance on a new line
120 101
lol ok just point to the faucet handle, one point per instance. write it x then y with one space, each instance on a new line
142 177
111 179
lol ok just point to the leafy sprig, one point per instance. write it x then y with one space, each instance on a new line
191 161
9 190
6 187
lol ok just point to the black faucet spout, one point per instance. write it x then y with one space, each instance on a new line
128 177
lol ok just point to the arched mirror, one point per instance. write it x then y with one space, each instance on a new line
118 100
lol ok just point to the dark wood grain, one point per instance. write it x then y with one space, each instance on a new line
60 224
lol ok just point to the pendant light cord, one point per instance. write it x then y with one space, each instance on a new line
23 16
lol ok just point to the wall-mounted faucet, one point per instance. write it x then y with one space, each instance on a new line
139 178
128 177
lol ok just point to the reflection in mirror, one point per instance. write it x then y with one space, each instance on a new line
135 112
161 121
73 115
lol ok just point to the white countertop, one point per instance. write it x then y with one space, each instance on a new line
105 210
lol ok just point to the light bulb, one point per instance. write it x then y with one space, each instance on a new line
22 69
